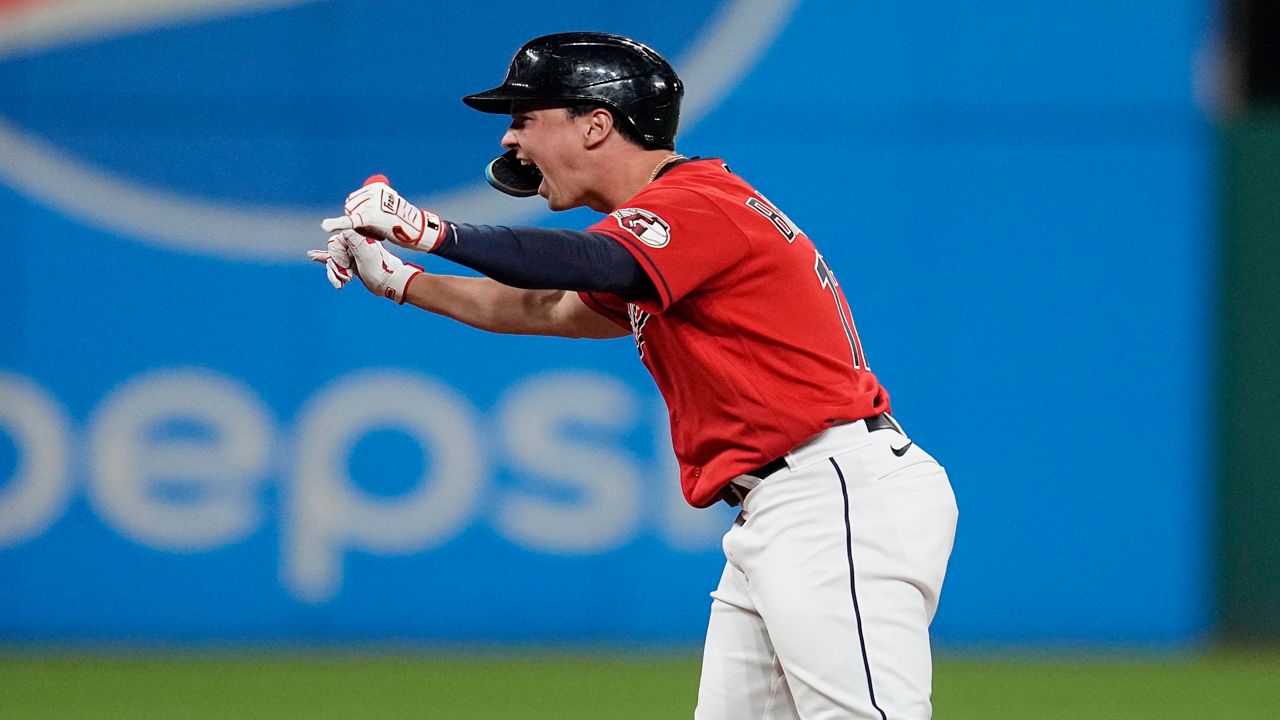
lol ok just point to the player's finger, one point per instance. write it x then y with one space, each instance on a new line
338 254
359 197
340 245
351 241
320 256
343 269
356 244
379 178
338 223
335 273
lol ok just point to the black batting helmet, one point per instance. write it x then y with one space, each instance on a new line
615 71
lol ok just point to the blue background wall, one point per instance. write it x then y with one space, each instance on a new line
200 440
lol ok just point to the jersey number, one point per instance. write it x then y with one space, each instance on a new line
828 280
789 231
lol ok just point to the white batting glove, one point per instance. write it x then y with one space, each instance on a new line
378 211
380 271
337 261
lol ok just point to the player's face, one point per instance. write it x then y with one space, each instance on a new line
552 140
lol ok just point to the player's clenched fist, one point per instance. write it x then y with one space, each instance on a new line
351 254
378 211
337 261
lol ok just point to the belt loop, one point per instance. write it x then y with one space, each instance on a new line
733 494
894 421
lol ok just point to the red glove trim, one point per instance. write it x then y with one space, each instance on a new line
404 293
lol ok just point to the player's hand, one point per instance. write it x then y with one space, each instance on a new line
378 211
337 261
381 272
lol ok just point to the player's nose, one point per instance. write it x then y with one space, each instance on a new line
509 139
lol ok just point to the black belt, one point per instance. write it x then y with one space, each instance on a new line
733 493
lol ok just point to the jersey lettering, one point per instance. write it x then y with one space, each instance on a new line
775 216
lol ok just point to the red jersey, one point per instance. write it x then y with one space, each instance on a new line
749 338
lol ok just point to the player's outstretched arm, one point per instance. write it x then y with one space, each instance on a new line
523 257
479 302
489 305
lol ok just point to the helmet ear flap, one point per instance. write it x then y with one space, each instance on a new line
505 173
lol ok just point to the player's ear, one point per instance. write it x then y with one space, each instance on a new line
598 126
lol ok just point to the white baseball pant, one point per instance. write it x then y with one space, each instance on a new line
833 573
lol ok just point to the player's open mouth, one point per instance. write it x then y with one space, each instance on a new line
526 162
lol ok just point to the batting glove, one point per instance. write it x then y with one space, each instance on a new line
380 271
337 261
378 211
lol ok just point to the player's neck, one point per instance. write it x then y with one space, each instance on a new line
627 173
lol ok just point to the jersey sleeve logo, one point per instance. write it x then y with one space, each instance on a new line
646 226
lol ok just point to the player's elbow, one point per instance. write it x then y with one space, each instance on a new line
540 310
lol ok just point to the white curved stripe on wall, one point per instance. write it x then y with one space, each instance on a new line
730 44
52 23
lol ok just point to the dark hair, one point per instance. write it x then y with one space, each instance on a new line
621 123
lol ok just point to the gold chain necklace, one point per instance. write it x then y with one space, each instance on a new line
663 163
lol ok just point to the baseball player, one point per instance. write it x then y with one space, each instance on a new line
836 560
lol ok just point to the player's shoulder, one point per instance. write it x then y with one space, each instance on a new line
697 174
696 197
695 182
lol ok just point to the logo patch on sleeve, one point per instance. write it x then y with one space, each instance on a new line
646 226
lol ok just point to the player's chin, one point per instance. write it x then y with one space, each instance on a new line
555 202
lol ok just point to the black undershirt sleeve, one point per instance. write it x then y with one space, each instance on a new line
547 259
